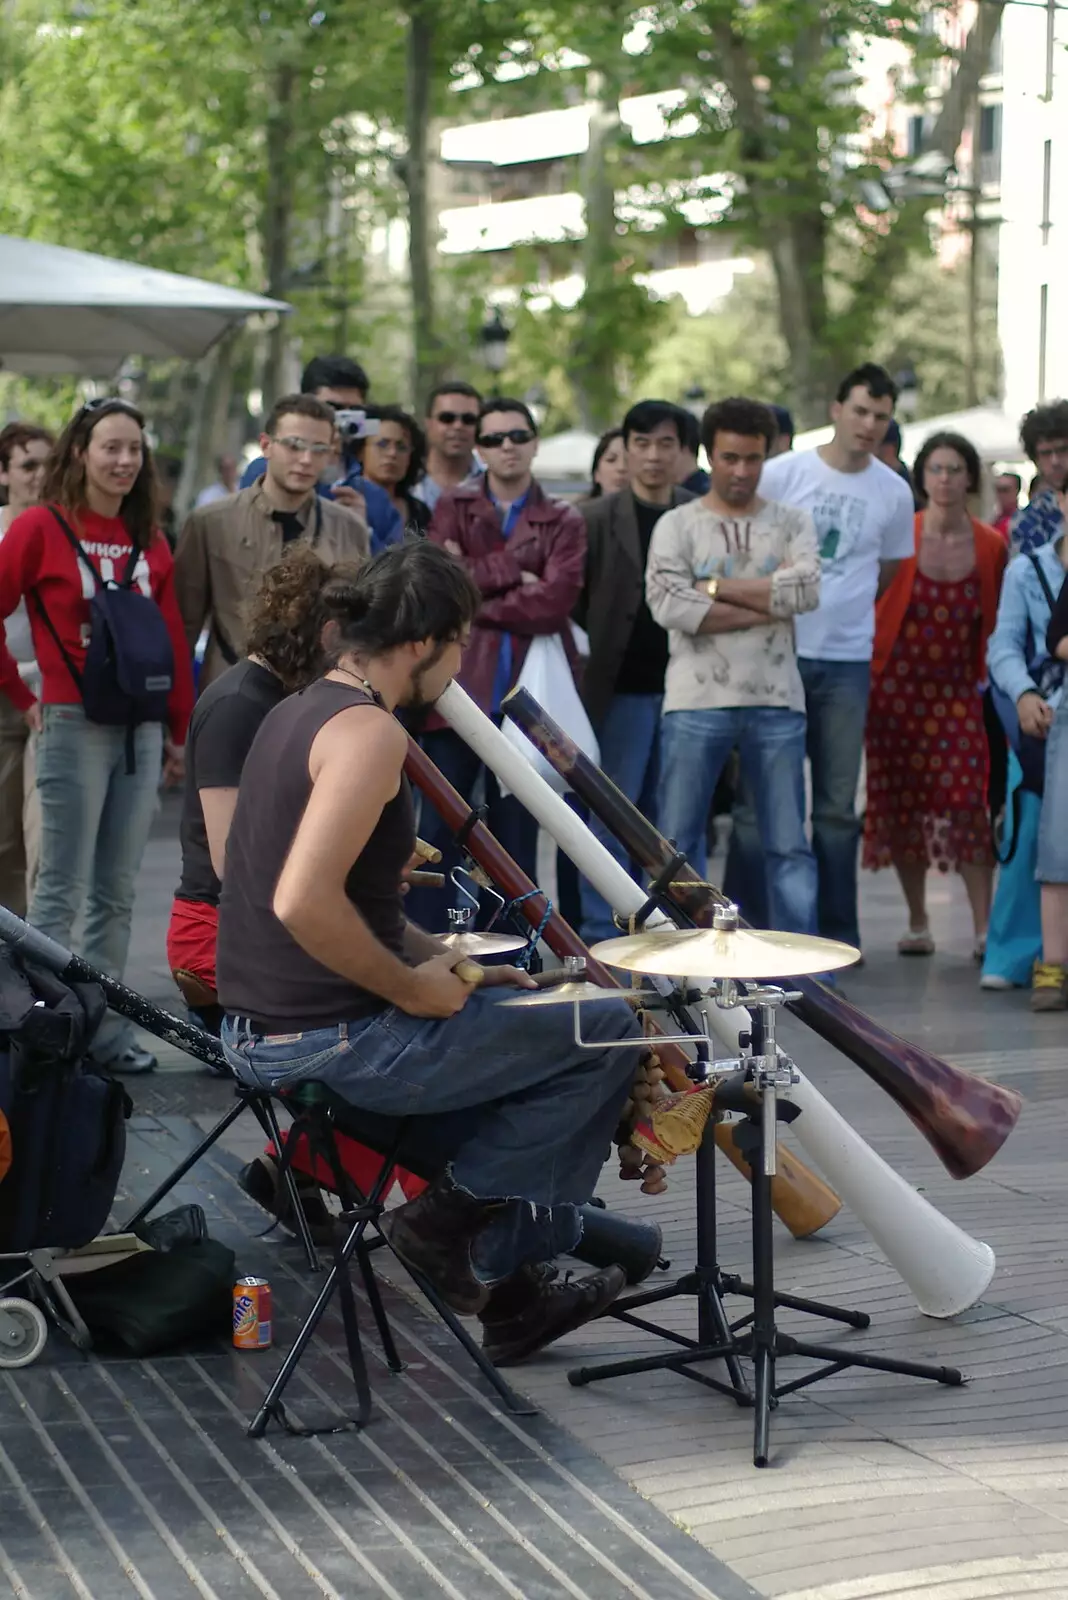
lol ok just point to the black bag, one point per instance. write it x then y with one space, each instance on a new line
159 1300
67 1116
129 663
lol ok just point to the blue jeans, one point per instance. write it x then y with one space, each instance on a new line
95 822
694 749
526 1114
507 819
629 740
1053 823
836 702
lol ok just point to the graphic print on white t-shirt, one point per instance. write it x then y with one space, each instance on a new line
861 518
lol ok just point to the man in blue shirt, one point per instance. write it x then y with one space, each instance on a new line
343 383
1044 435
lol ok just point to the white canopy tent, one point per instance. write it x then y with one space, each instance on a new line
992 431
66 311
564 459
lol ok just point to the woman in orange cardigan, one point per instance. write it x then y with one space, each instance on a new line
927 755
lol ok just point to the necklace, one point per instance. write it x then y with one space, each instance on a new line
363 682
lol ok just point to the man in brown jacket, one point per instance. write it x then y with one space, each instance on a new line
226 547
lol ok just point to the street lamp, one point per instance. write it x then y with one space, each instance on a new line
908 391
493 339
694 400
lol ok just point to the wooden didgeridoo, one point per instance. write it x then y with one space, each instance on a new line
966 1119
802 1201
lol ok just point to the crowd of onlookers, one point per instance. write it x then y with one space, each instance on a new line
750 635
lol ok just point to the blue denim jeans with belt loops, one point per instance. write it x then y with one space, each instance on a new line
95 822
534 1110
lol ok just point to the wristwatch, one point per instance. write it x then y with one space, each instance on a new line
712 588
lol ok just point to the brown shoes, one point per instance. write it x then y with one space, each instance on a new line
535 1306
432 1235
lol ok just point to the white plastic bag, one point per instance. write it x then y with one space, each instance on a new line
546 674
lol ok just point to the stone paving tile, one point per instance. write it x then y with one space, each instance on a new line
880 1488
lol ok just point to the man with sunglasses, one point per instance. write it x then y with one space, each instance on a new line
226 547
451 425
527 554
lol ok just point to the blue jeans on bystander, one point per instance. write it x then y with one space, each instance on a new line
771 741
836 702
629 740
95 822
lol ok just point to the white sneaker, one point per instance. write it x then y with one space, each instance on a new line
994 980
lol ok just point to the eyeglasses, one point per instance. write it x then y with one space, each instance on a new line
304 447
468 418
951 470
401 446
493 441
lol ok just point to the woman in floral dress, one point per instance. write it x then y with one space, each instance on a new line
927 755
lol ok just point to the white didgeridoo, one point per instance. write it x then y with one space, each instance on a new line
945 1269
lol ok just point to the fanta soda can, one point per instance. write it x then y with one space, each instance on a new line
252 1314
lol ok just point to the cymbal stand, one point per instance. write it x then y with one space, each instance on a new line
717 1337
761 1091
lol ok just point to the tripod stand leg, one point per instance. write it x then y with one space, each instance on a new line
712 1325
763 1399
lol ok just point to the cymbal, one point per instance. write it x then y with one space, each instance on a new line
566 994
725 953
478 945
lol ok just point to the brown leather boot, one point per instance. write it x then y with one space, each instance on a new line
432 1234
535 1306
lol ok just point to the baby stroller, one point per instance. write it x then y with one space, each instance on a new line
65 1127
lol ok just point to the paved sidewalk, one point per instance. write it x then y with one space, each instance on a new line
879 1487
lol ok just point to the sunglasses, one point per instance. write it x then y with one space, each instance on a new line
468 418
113 403
304 447
493 441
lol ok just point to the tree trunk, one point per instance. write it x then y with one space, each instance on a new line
277 219
594 373
426 350
798 253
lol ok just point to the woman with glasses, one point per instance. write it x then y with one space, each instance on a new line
927 755
96 783
395 459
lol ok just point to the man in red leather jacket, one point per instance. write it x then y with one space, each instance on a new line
527 554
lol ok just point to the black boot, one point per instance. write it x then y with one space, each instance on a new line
263 1183
432 1234
535 1306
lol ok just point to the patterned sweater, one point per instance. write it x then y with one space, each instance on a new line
756 666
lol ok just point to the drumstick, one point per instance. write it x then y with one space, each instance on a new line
469 972
426 880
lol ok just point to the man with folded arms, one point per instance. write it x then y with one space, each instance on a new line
726 576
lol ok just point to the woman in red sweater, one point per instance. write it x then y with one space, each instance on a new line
927 754
95 813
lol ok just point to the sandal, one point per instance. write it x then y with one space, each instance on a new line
917 942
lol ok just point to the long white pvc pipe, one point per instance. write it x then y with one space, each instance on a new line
944 1267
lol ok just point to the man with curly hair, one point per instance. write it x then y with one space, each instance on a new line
1044 435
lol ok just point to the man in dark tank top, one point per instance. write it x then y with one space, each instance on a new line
322 976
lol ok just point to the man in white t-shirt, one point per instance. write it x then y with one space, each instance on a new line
863 513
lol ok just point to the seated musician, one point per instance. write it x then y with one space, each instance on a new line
322 977
287 620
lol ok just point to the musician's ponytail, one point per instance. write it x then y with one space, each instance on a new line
410 592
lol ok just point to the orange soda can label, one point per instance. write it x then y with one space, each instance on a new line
252 1314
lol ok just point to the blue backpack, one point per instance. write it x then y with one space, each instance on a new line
129 664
